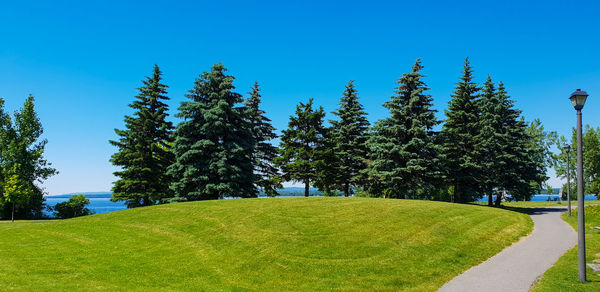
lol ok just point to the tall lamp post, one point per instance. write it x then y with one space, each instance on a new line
578 99
567 150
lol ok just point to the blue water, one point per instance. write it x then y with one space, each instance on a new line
541 198
98 203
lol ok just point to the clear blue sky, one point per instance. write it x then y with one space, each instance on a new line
83 60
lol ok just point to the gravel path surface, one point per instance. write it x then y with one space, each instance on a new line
519 265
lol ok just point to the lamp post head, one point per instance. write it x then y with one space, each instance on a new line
578 99
567 148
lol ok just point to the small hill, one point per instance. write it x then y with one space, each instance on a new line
258 244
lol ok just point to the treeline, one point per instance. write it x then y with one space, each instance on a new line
591 161
22 164
223 145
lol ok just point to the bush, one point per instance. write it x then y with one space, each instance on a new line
74 207
364 194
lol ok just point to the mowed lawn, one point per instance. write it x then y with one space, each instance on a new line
564 275
258 244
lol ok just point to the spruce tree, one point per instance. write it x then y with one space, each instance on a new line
404 149
144 147
348 136
460 139
525 154
214 142
303 146
266 173
491 139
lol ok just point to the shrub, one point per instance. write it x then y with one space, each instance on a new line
74 207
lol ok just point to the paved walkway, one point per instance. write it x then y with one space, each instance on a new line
519 265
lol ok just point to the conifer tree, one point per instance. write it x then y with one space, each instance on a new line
348 136
492 139
144 147
214 143
460 139
266 173
525 154
302 148
403 148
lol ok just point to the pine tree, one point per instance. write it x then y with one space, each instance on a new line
403 148
491 139
214 143
265 171
460 134
526 152
144 147
302 148
349 135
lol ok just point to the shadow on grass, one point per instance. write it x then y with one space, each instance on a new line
527 210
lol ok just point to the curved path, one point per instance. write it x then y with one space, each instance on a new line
516 267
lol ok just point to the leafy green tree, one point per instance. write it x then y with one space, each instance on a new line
591 160
405 155
348 137
460 142
303 146
214 143
265 171
16 191
7 135
74 207
144 147
23 163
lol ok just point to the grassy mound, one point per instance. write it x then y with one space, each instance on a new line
258 244
564 275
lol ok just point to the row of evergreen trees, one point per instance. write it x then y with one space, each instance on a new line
223 147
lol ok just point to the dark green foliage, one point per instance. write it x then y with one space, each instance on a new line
74 207
404 153
266 173
348 139
22 162
303 147
460 139
214 142
506 156
532 159
494 139
144 148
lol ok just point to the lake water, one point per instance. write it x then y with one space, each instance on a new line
542 198
100 202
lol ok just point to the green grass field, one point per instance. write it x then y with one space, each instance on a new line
563 276
258 244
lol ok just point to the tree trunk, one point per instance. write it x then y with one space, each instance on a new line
306 185
13 212
453 196
347 189
490 199
499 198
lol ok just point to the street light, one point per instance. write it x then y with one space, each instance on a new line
578 99
567 150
